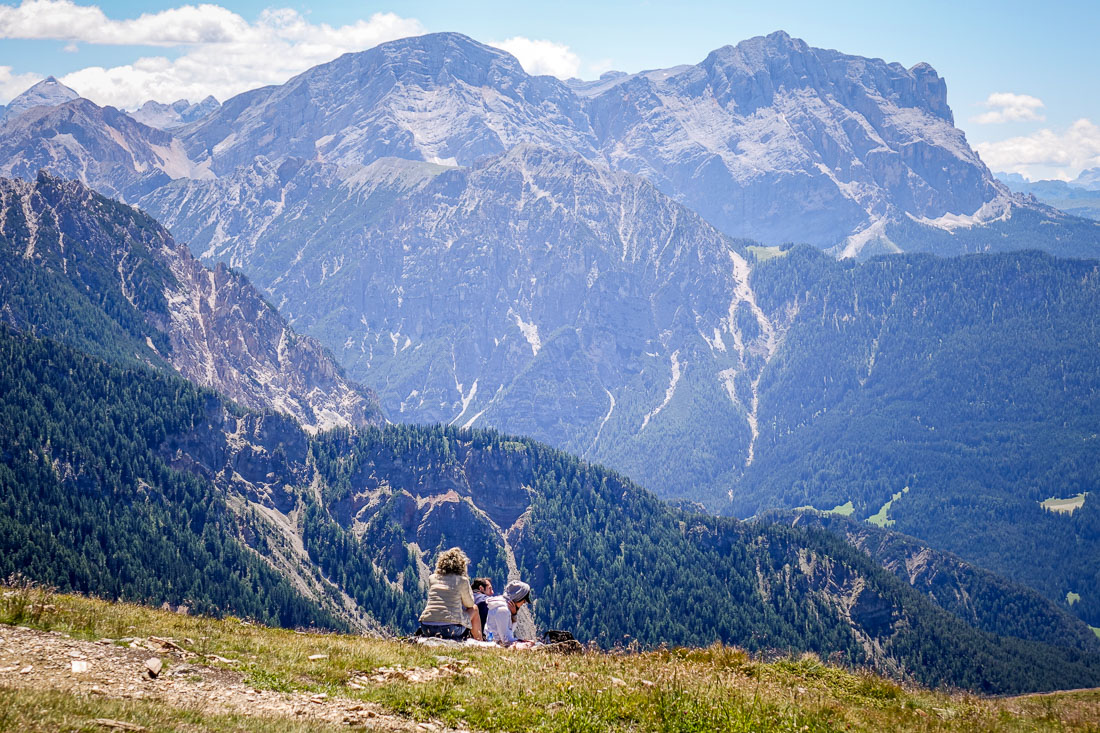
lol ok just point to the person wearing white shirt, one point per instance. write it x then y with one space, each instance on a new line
501 619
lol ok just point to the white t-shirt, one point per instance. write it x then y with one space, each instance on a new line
499 621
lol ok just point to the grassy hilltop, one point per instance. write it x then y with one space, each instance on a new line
230 674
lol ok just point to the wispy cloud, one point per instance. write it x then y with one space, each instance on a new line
1008 107
1046 153
542 57
224 54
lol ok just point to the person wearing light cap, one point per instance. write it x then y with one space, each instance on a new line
502 612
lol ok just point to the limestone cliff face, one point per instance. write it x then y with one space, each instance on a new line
773 126
770 139
210 325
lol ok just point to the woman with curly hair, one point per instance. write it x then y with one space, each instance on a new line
450 601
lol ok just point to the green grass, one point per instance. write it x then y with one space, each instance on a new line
1068 505
845 509
1096 630
713 688
880 518
1072 598
763 254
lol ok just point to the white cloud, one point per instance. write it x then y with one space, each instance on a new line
12 85
1045 153
224 54
1008 107
542 57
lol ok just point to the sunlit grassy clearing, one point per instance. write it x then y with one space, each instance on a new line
1064 505
763 254
879 518
844 510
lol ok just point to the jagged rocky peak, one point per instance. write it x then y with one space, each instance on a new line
47 93
178 113
1088 179
750 74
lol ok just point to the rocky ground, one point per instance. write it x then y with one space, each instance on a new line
157 669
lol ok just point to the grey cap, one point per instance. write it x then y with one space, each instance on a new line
516 591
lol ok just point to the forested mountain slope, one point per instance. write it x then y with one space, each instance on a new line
107 278
985 600
130 481
973 383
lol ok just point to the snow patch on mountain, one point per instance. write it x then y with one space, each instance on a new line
674 379
530 332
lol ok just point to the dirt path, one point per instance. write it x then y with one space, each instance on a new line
51 660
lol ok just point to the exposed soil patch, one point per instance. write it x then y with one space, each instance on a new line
122 669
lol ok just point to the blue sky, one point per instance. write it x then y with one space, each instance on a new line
1040 59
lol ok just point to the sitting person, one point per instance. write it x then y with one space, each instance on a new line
483 589
450 600
501 623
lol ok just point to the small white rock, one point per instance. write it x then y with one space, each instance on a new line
153 666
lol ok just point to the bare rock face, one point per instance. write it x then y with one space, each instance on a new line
210 325
100 146
773 126
440 98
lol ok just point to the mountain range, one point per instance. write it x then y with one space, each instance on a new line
572 261
1080 197
123 479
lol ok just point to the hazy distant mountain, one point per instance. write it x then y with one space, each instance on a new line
1080 197
92 272
1089 179
100 146
47 93
770 139
773 126
178 113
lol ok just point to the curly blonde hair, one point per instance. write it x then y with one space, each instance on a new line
452 562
